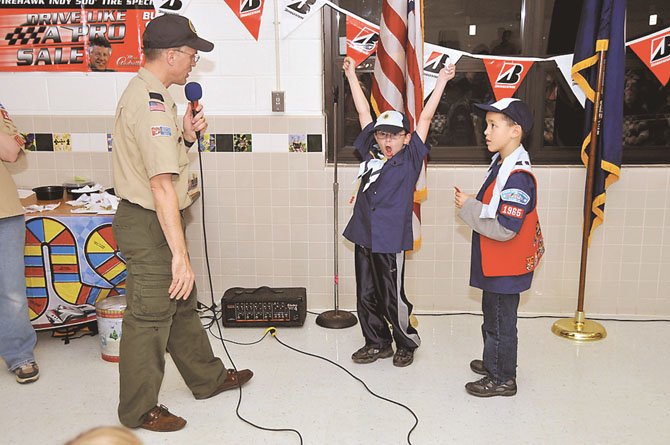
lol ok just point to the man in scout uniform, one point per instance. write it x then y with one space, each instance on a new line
151 177
17 337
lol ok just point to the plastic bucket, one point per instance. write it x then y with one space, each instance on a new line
110 315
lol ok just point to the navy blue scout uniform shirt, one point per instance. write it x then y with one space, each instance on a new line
510 284
382 219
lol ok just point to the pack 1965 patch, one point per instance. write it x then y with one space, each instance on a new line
515 195
514 212
161 130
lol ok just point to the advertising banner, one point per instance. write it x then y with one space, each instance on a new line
72 35
362 38
654 51
249 12
506 75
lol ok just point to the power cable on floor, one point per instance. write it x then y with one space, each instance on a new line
273 331
213 320
530 317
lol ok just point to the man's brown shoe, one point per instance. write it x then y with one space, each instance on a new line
161 420
233 380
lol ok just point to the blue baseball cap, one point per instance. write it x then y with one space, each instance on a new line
512 108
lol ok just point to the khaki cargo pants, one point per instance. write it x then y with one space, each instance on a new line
153 323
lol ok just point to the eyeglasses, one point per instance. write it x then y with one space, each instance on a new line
385 135
194 57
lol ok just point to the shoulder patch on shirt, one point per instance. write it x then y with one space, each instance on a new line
510 210
156 106
156 96
161 130
515 195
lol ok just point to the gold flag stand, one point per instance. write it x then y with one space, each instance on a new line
579 328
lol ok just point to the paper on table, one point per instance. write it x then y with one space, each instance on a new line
40 208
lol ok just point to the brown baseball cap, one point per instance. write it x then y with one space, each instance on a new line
173 31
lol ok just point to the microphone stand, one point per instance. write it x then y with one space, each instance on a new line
336 319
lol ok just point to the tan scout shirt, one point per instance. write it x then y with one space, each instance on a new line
147 141
9 197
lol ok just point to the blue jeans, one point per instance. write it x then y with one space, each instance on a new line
500 335
17 336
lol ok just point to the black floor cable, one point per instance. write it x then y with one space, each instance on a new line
555 317
273 331
214 319
532 317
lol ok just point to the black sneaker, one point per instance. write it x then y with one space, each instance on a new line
486 387
478 367
369 354
403 357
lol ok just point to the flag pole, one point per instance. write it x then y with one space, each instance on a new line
579 328
336 319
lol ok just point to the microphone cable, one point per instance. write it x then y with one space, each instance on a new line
273 332
213 319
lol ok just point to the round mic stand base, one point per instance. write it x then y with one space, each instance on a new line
336 319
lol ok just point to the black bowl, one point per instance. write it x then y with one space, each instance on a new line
49 192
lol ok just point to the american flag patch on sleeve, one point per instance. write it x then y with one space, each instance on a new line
156 106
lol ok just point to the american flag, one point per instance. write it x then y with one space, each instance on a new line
398 79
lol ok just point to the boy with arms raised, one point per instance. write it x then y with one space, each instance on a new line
381 225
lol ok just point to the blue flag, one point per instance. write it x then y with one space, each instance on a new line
601 28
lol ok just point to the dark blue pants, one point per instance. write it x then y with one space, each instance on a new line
380 299
500 334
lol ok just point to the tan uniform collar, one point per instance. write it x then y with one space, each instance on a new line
156 86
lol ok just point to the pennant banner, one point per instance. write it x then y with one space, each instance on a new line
249 12
435 58
171 6
506 75
295 12
654 51
362 38
564 64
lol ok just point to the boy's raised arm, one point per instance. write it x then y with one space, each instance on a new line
445 75
360 101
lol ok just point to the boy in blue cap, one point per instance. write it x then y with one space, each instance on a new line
507 243
381 225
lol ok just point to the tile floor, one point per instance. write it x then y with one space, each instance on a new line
610 392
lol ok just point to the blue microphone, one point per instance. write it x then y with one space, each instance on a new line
193 92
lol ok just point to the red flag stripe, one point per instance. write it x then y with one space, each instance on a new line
390 68
394 23
377 96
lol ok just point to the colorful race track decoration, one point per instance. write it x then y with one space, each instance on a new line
71 263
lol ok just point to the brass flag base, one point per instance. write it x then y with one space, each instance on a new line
579 328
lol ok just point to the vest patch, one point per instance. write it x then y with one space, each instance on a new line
514 212
515 195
